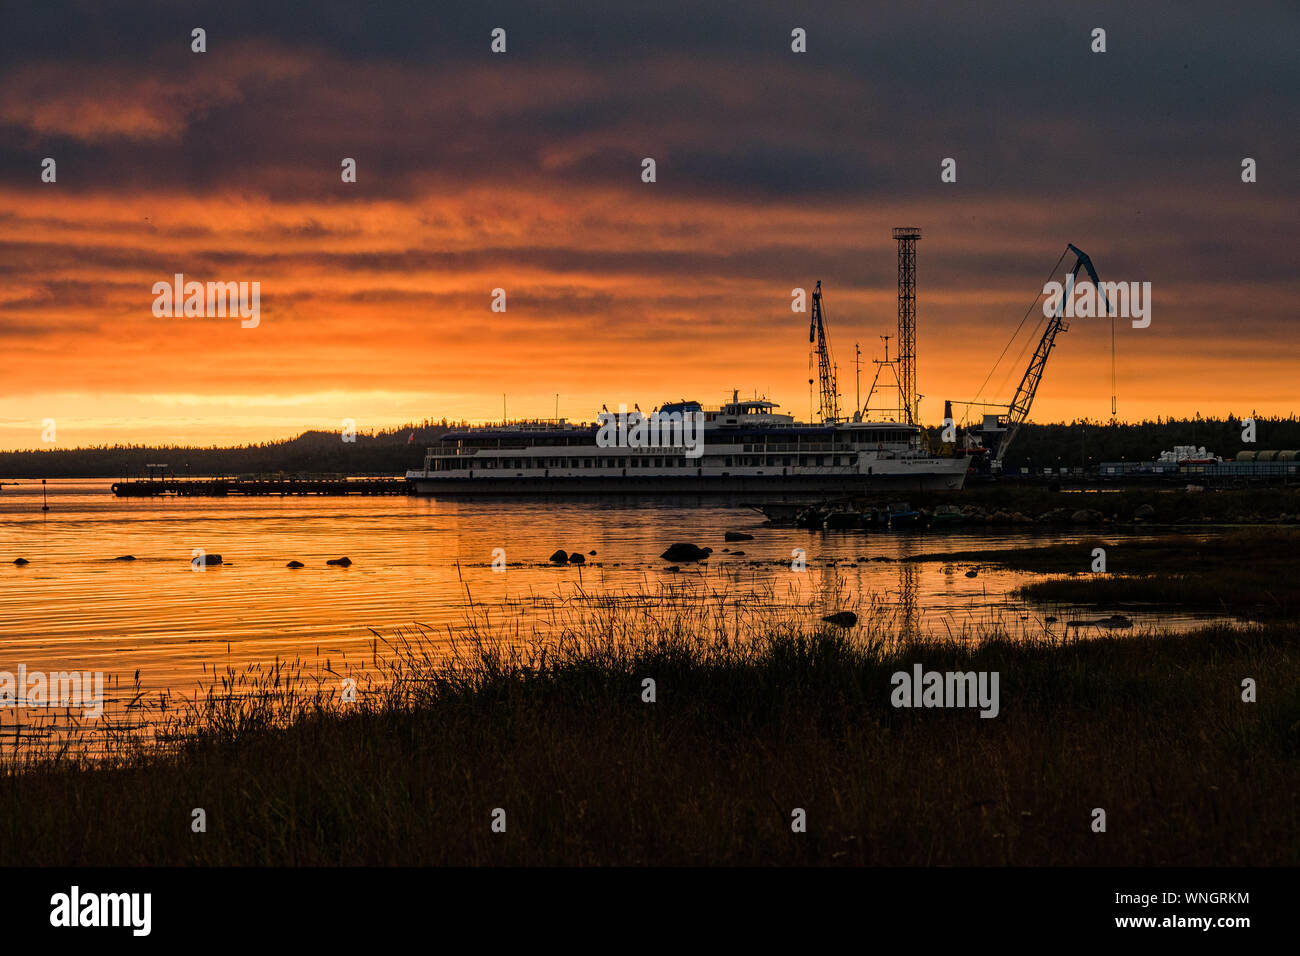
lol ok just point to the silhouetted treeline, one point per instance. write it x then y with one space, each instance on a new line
1077 444
379 453
1087 443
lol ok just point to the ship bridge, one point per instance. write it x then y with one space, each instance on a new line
756 411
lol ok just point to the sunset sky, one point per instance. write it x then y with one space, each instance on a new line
522 171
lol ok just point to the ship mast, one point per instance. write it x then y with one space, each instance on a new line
857 384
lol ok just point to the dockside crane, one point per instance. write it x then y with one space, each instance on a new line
1006 426
830 398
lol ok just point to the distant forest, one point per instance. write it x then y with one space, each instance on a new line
1087 443
1077 444
315 452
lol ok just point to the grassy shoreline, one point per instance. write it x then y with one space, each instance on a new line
1150 727
1250 572
1029 506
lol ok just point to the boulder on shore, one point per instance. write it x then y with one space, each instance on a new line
1086 516
737 536
841 619
683 551
1144 512
340 562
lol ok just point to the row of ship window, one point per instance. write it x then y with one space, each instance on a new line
463 463
867 440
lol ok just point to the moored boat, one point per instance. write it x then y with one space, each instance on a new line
742 448
903 516
843 520
947 516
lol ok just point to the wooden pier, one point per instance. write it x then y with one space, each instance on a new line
222 487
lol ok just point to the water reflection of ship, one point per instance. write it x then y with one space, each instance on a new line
908 623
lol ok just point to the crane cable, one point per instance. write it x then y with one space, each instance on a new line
1022 325
1113 400
1031 341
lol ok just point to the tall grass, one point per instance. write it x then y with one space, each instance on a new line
757 712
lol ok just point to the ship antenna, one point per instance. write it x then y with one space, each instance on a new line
857 369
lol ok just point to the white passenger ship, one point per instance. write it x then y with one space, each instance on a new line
747 447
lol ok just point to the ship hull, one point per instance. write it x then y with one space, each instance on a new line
748 485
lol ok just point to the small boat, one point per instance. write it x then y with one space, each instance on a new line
781 514
875 518
903 516
843 520
811 518
945 516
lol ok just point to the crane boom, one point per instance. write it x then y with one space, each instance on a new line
830 401
1018 410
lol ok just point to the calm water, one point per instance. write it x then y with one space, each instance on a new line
421 560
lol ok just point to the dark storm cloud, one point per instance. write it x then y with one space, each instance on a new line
711 91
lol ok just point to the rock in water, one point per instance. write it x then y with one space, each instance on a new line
294 564
1144 512
125 557
212 559
560 557
841 619
673 568
21 561
340 562
971 574
737 536
686 552
577 558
